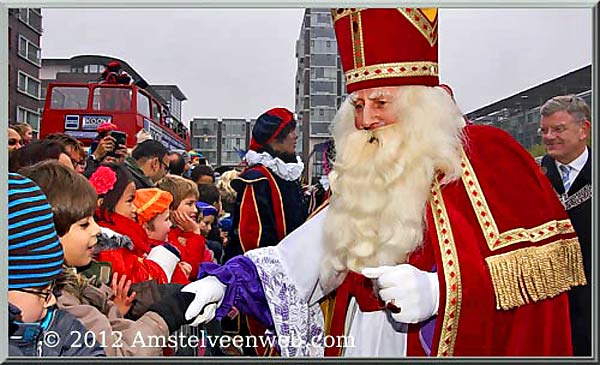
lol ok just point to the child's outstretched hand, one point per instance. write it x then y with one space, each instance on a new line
120 289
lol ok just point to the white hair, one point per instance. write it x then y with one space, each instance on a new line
381 180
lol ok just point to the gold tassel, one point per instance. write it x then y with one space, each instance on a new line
536 273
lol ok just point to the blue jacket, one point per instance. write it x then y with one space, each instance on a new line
58 334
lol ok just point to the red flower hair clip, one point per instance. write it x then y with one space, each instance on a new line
103 180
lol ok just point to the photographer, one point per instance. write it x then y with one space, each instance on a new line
106 148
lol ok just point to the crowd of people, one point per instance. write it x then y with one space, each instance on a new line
431 237
130 228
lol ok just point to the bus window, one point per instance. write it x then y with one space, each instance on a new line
69 97
156 112
112 98
143 105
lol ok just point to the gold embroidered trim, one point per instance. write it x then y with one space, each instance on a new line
337 14
398 69
422 23
534 234
536 273
451 273
493 237
358 49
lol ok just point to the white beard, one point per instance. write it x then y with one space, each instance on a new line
377 212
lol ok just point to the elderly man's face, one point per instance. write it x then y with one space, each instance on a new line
564 138
374 108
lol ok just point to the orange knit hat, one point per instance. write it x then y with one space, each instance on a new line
150 203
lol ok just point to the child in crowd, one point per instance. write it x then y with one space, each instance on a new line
152 209
207 219
185 233
123 242
73 202
35 259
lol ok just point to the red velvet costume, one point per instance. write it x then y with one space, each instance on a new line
503 272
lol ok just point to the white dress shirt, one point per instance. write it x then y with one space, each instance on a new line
575 166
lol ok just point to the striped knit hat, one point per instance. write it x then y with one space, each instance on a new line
35 255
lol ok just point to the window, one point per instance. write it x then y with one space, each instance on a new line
29 51
67 97
323 32
32 18
319 128
155 112
113 98
143 104
28 85
28 116
322 87
323 60
323 100
92 69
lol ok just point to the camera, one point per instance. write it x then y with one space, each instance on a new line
120 138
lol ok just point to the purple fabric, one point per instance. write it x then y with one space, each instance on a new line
244 289
427 329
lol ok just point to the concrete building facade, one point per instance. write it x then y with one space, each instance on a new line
320 87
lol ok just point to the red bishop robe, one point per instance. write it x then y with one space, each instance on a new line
505 254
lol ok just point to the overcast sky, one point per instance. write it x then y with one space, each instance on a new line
241 62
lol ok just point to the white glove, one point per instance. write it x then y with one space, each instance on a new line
209 293
415 292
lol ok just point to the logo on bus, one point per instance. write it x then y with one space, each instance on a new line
93 121
71 121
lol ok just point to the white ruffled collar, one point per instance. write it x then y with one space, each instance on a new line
288 171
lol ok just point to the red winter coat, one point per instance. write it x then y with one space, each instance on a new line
192 247
130 262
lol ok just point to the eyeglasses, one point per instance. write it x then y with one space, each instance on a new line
165 165
81 163
556 130
54 290
14 141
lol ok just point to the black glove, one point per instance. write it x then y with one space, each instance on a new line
147 293
172 309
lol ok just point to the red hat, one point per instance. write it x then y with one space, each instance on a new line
387 47
105 127
114 65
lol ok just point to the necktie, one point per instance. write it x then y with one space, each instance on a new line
565 170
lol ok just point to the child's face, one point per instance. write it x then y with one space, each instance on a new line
206 224
188 207
125 206
79 242
33 303
162 225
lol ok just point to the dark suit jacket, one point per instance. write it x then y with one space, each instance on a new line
580 213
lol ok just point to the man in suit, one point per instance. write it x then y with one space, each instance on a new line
565 128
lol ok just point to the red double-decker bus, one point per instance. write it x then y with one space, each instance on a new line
77 109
